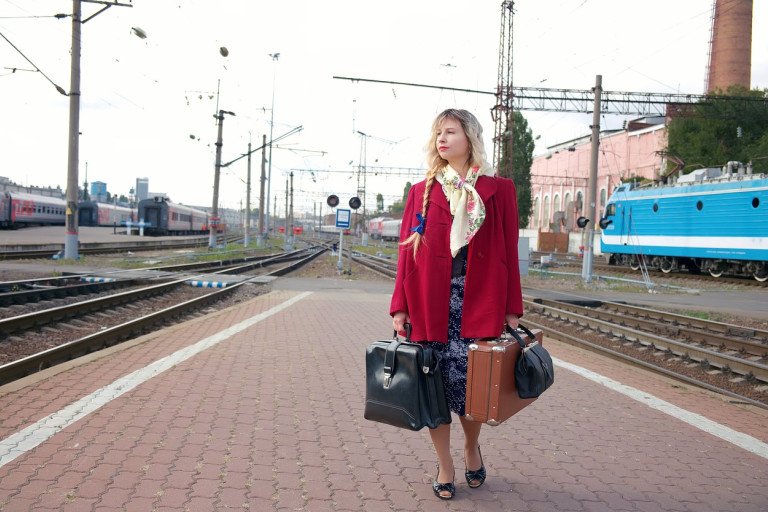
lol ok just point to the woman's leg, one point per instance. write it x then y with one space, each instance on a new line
441 438
471 443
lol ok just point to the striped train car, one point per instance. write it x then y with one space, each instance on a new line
166 218
93 213
711 220
18 209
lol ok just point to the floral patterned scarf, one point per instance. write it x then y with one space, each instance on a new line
467 208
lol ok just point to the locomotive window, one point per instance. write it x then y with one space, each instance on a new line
699 205
755 202
655 207
610 210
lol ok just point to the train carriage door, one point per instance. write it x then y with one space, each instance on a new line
153 216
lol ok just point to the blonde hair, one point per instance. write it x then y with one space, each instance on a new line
474 133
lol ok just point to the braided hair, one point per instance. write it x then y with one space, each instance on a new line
474 132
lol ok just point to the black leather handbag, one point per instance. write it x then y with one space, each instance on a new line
534 371
403 385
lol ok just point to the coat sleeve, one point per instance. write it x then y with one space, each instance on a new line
511 237
404 257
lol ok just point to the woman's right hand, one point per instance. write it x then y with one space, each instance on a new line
399 320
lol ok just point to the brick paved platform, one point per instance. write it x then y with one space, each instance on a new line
259 407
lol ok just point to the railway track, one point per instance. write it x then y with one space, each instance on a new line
51 250
34 341
571 263
725 358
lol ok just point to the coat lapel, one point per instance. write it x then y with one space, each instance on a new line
486 187
437 197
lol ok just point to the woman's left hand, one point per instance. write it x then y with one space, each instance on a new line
512 321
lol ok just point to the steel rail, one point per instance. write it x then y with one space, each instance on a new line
723 361
577 342
657 321
119 333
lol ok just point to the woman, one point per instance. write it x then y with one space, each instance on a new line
457 275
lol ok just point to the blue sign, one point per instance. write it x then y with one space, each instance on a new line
342 218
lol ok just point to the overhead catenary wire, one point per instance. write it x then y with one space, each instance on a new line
58 88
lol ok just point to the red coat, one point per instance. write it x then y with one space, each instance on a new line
492 284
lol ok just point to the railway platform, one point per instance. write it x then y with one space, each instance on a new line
260 407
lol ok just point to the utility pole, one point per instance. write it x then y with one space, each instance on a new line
213 223
70 239
260 240
247 237
591 213
503 112
73 152
274 56
291 236
286 214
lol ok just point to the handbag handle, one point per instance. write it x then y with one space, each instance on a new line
407 329
519 339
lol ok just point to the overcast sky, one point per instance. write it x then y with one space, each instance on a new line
147 105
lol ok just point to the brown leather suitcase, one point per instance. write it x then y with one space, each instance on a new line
491 392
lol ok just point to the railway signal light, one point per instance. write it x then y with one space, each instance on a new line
582 222
355 203
333 200
605 222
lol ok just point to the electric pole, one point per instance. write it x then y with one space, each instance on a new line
73 152
262 235
247 238
591 212
213 222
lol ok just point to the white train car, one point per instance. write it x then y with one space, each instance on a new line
390 230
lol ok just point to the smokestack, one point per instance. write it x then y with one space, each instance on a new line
730 57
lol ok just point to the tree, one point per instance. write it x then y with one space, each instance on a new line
714 133
398 206
522 159
379 203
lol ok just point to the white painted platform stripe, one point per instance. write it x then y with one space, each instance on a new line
21 442
693 242
208 284
89 279
745 441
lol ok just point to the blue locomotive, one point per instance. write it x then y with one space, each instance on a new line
712 220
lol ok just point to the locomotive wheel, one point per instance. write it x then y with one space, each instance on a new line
666 265
634 262
761 274
717 270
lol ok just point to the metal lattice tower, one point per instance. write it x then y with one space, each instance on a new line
503 112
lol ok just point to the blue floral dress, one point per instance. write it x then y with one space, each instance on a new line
453 355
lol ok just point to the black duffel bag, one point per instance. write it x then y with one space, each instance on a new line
534 371
404 385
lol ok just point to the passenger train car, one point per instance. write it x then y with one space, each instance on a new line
375 226
390 230
92 213
19 210
166 218
711 220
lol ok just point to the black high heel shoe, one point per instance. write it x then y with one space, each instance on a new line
439 488
475 478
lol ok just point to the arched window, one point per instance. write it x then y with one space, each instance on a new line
536 212
556 203
603 197
566 201
545 213
579 201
